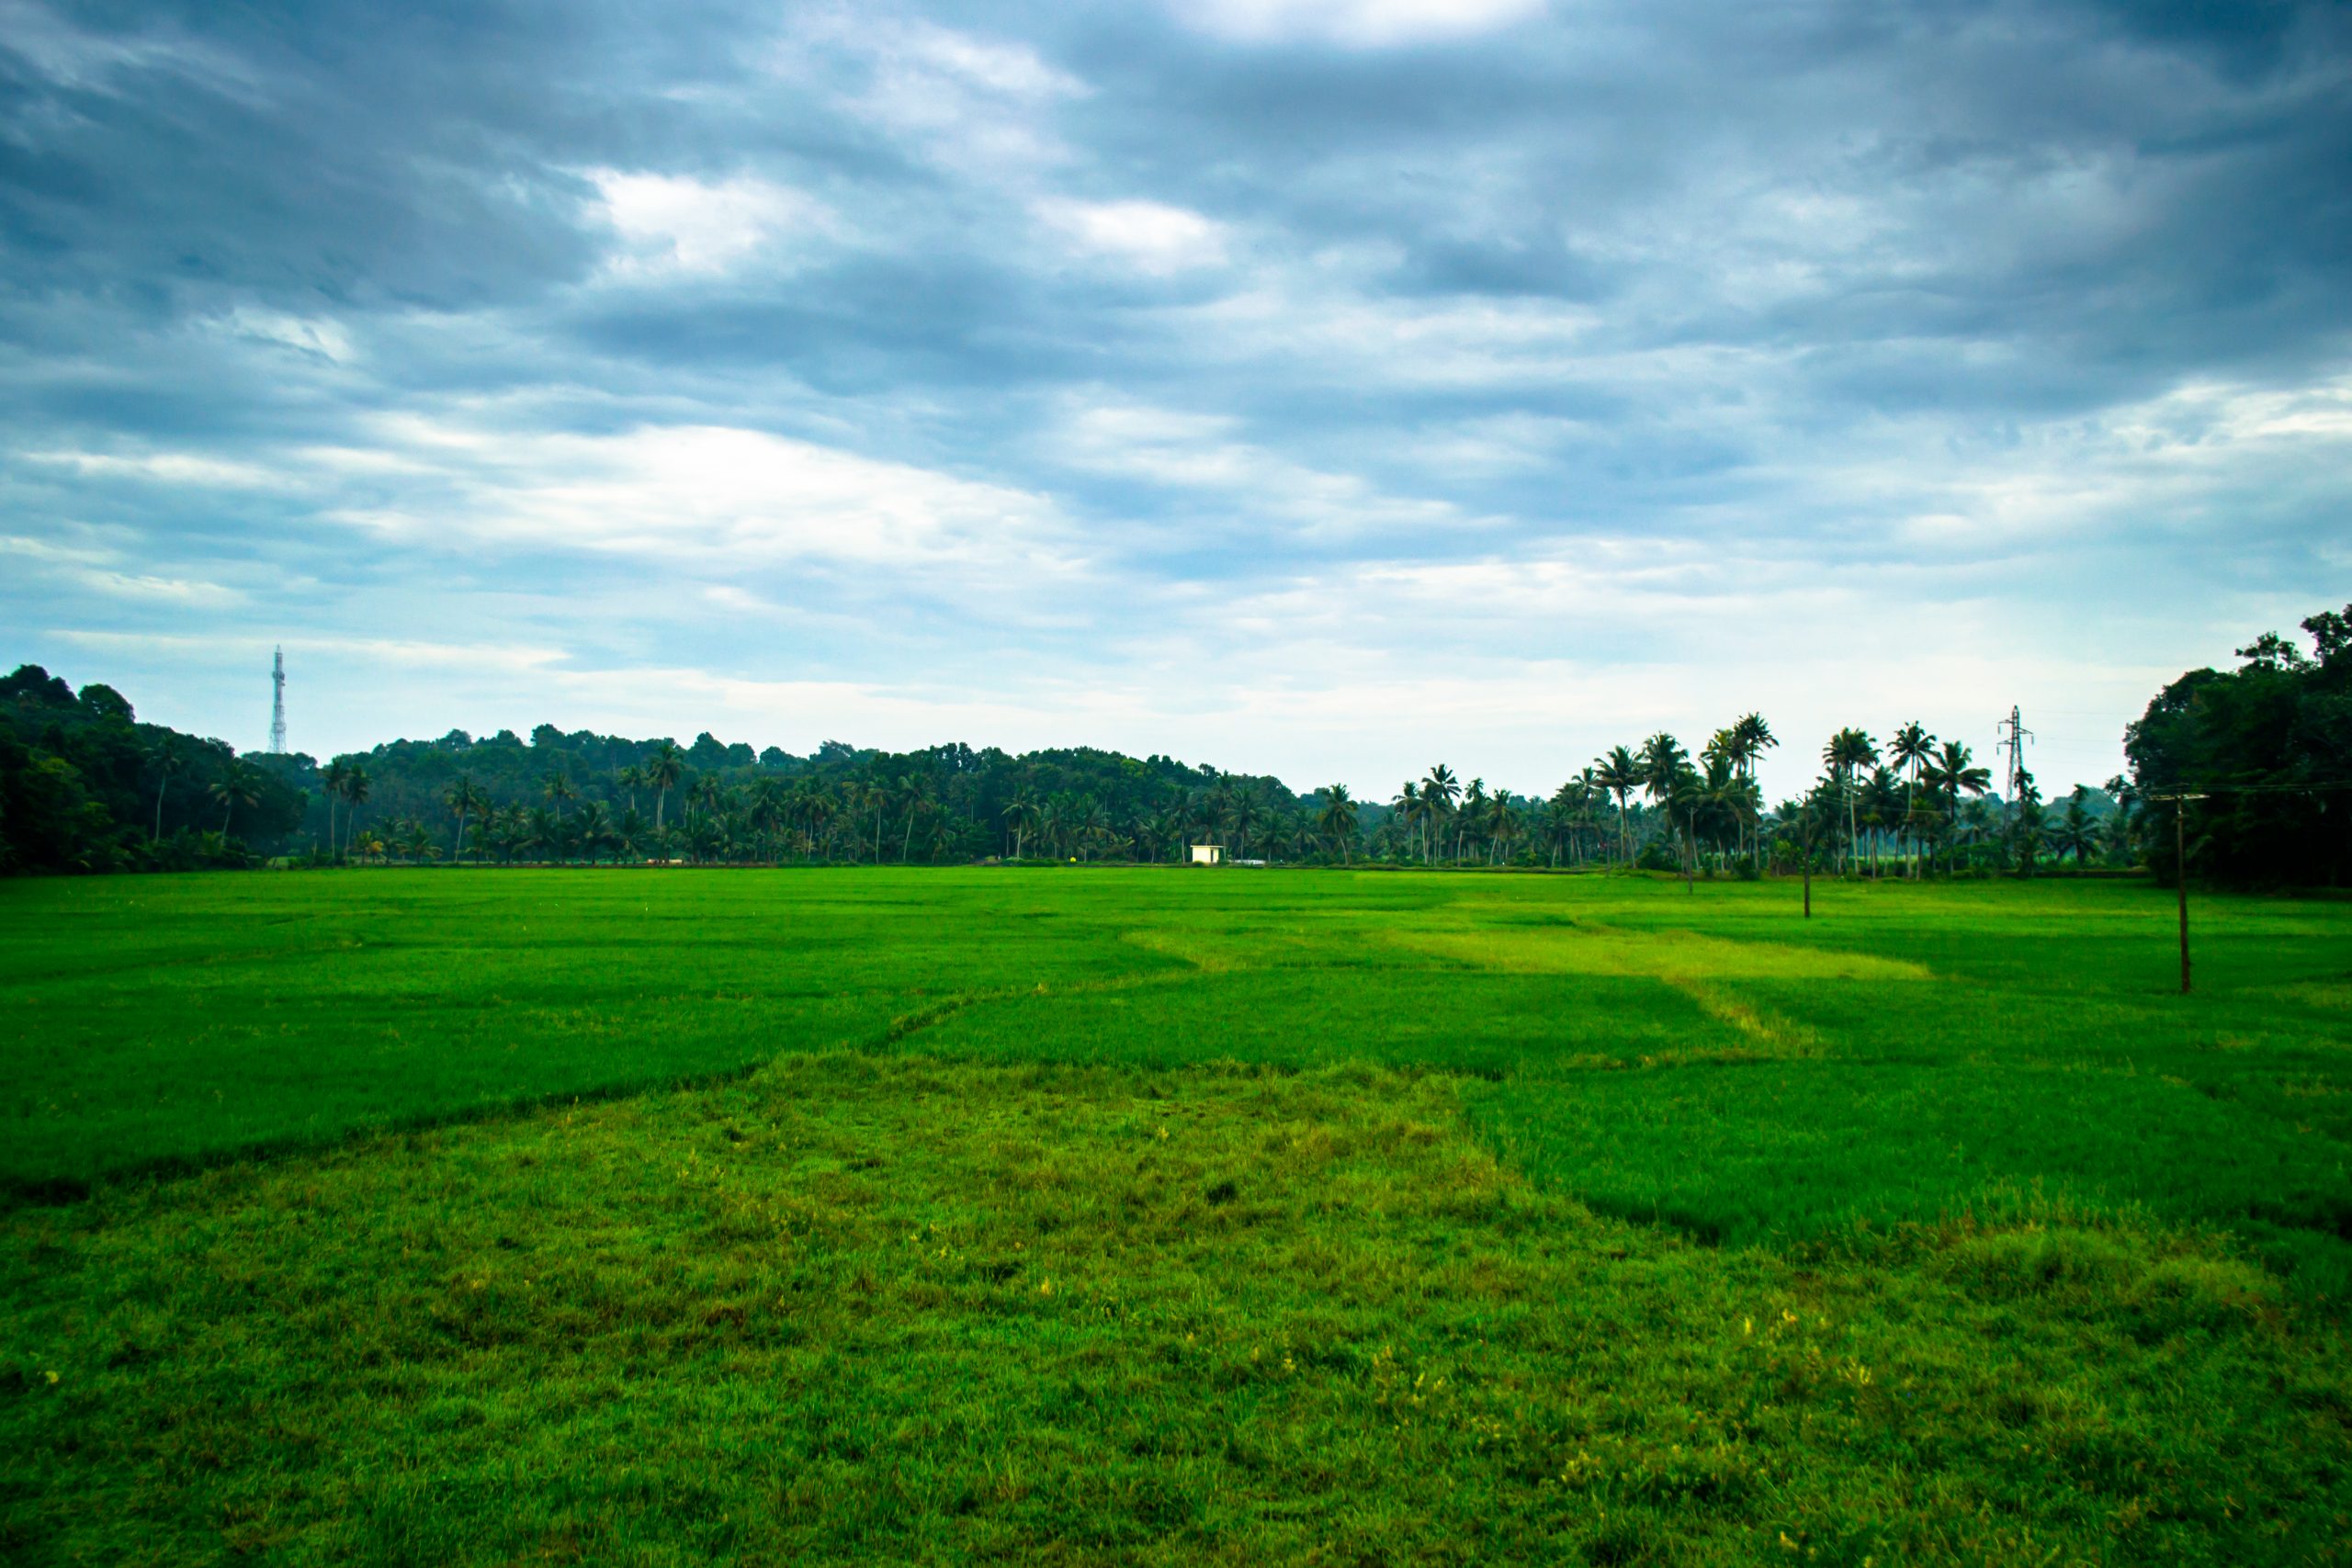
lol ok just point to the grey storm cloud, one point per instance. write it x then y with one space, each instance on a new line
1357 341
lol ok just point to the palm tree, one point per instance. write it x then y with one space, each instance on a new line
543 830
1660 766
1560 819
1910 749
818 807
240 783
767 814
1848 751
331 783
1020 816
1753 738
1408 809
591 830
1438 793
355 789
630 834
2075 832
1953 774
164 755
1337 819
465 800
1621 775
914 791
558 789
1503 827
664 765
1243 811
506 831
630 779
2122 823
1471 818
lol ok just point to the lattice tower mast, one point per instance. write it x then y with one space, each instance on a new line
2014 734
277 702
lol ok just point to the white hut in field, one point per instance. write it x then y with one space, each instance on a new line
1208 854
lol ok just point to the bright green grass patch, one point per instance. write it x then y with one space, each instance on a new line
1574 948
1706 1058
860 1309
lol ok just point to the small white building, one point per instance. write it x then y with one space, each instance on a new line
1208 854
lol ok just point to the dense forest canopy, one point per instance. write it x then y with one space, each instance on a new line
85 786
2270 747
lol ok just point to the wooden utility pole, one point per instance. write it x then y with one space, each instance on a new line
2181 873
1808 861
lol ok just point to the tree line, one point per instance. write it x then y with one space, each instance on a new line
84 786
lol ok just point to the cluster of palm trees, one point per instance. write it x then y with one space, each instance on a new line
1241 814
1910 802
1915 802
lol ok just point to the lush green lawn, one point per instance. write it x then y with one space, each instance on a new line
1169 1215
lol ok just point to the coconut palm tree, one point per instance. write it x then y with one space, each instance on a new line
355 788
1909 749
1560 817
507 831
543 831
466 800
1244 811
767 814
1848 751
591 830
1337 819
663 766
1504 826
630 833
558 789
240 783
1406 812
1020 815
1953 774
1662 763
330 782
2076 833
163 755
1619 774
1439 792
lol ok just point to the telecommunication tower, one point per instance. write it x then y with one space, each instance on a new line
277 702
2014 734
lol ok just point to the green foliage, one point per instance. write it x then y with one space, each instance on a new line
84 787
2270 746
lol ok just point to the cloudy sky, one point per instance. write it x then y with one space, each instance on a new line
1322 387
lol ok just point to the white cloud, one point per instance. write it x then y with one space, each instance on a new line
981 107
1194 451
1360 24
320 336
671 224
94 570
166 467
1148 236
712 498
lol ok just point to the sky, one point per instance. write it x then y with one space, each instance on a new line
1323 388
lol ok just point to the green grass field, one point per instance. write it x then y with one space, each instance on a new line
1161 1216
